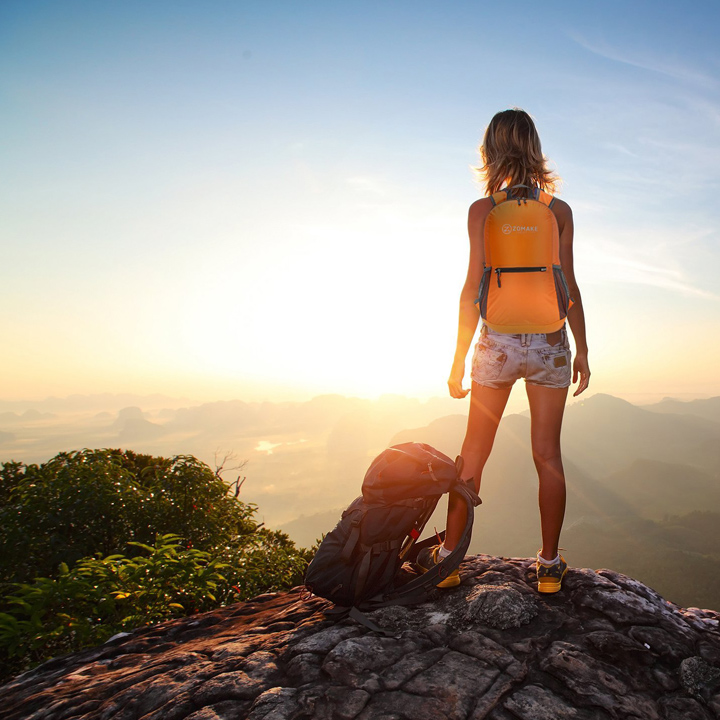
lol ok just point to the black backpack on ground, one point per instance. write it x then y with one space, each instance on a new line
357 565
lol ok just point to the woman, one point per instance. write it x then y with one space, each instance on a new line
513 161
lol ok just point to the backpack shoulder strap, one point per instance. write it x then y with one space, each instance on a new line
545 198
499 197
417 588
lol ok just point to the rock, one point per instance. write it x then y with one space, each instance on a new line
682 708
275 704
455 679
536 703
499 606
228 686
604 648
614 647
304 668
699 678
483 648
340 703
594 682
358 662
410 666
325 640
399 705
662 643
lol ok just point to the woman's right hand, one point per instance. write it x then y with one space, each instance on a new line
455 380
581 368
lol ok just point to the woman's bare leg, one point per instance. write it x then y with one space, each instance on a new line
546 413
486 409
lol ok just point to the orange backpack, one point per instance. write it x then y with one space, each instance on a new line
523 288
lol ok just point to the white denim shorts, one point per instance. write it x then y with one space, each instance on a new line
500 359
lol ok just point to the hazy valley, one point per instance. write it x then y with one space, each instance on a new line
643 482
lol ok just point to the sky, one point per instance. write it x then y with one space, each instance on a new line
268 200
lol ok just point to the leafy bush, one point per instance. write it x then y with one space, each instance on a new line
68 528
99 597
82 503
262 562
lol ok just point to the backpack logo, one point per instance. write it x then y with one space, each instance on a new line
507 228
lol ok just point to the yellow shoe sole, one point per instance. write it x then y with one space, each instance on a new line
452 580
551 585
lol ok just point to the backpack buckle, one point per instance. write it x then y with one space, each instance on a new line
432 472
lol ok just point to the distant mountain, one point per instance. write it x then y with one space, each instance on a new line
709 408
29 416
680 557
696 532
139 430
604 434
656 489
306 529
446 434
101 402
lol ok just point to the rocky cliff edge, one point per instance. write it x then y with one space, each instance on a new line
606 646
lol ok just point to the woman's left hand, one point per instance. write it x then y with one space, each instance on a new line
581 368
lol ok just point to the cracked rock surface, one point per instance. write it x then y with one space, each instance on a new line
604 647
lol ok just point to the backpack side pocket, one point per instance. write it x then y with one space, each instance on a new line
482 298
562 291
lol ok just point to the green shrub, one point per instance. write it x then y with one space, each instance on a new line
265 561
68 529
82 503
101 596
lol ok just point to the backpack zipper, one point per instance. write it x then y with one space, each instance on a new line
498 271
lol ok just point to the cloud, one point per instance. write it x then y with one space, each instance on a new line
266 447
617 147
667 66
657 276
638 262
370 184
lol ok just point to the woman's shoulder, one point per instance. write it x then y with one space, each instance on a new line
563 216
561 208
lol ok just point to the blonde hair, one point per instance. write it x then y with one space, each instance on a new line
511 154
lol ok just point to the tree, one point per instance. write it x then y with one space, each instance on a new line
97 541
97 501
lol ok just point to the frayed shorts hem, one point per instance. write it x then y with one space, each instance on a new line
505 386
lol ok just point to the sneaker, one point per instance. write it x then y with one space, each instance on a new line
550 577
427 559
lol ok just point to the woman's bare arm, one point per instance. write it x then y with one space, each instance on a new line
469 312
576 315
